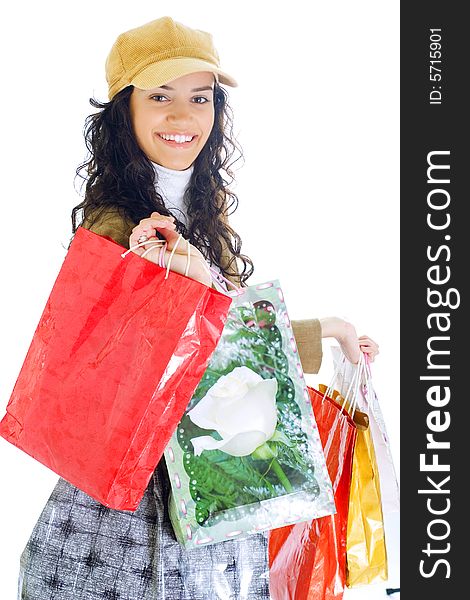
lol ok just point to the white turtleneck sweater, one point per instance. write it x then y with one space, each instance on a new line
172 184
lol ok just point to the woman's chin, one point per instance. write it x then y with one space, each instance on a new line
174 164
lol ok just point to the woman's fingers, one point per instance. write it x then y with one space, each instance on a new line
367 338
368 346
149 244
171 237
156 214
148 227
146 231
164 225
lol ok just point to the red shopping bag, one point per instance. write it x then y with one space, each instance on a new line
114 361
308 560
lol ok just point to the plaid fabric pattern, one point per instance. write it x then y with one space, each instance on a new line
82 550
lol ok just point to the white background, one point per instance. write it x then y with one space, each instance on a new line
317 115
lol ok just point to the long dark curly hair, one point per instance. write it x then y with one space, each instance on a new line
119 175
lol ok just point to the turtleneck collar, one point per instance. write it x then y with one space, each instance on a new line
172 184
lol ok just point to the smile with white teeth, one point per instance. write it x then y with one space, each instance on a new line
179 139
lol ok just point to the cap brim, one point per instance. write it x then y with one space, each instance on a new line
164 71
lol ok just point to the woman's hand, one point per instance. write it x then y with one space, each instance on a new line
369 347
351 345
198 269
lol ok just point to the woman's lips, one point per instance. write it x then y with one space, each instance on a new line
178 144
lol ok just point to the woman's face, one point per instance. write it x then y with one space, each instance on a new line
182 107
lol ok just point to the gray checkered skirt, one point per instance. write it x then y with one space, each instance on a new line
82 550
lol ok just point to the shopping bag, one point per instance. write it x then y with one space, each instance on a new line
117 354
308 560
246 456
375 542
368 402
366 556
366 553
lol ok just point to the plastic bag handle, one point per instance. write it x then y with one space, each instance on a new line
215 275
367 368
162 253
331 385
352 392
354 385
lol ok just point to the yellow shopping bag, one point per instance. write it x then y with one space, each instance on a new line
365 541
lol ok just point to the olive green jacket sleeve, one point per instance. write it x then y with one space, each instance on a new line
307 332
112 224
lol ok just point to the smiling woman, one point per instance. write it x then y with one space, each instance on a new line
176 117
164 82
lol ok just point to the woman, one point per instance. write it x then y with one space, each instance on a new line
157 151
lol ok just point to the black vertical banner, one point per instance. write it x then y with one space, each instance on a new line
435 242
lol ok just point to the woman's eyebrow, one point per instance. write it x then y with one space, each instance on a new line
199 89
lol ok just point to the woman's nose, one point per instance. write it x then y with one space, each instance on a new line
178 113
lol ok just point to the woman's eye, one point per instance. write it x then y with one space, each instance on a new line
197 99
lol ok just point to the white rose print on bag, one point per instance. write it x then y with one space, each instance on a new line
241 407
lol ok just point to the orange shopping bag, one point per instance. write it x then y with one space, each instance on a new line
308 560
